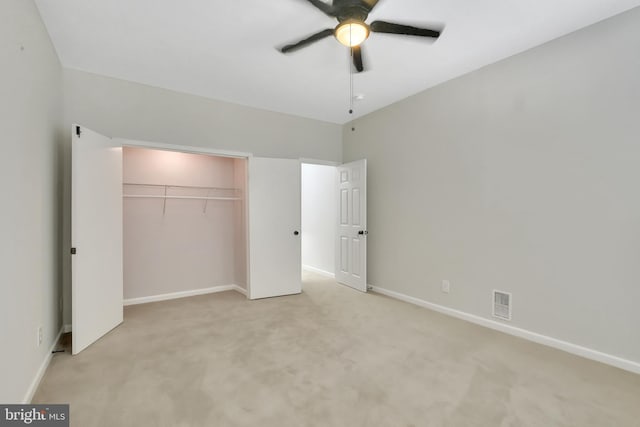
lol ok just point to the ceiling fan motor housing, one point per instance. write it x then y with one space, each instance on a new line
357 10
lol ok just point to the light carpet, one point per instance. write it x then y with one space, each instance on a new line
331 356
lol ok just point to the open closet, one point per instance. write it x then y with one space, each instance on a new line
184 224
153 221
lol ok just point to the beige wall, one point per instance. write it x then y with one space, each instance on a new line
30 120
133 111
523 176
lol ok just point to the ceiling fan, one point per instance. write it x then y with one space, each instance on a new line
352 30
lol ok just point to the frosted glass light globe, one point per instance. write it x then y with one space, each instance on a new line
352 33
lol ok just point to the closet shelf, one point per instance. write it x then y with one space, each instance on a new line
195 187
150 196
197 193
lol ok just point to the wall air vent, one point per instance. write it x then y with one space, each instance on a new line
502 305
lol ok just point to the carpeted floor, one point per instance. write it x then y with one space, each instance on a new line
329 357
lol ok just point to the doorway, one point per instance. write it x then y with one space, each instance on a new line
334 221
319 185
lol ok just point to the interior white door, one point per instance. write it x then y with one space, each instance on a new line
351 241
96 236
274 227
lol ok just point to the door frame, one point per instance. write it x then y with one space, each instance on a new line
318 162
312 161
125 142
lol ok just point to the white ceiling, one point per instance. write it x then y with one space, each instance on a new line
226 49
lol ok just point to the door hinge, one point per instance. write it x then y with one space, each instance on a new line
73 251
78 131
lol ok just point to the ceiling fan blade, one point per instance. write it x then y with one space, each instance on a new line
391 28
305 42
324 7
356 53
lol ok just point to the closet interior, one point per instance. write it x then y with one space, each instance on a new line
184 223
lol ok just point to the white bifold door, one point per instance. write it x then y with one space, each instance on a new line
351 240
96 236
274 227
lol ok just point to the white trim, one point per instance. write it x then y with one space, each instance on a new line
240 289
67 328
318 271
182 294
618 362
307 161
43 368
182 148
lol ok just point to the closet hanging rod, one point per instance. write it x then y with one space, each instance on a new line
181 186
151 196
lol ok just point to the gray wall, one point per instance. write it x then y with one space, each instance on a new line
130 110
523 176
30 123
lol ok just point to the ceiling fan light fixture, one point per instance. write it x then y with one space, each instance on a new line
352 32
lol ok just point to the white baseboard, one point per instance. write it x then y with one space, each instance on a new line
318 271
33 387
242 290
183 294
618 362
67 328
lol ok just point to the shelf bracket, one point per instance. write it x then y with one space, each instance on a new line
206 201
164 203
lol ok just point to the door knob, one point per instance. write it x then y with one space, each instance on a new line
363 232
295 233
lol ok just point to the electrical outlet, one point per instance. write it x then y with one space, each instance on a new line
446 286
39 336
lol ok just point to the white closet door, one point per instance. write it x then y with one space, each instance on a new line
274 227
96 236
351 241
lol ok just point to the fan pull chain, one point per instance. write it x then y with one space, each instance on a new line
351 84
350 75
